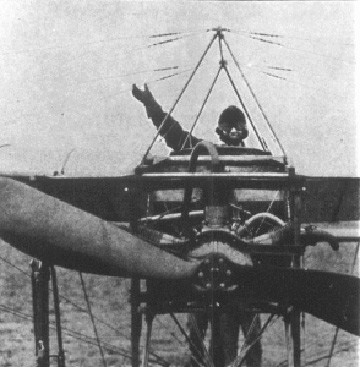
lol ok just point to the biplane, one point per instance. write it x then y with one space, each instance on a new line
208 226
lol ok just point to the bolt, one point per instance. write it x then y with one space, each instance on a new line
228 272
201 274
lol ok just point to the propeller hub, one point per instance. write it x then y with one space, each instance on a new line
215 274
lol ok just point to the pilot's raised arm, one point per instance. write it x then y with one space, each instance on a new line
231 127
171 131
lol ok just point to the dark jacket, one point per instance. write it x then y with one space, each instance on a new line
171 131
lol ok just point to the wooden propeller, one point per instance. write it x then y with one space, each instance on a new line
58 233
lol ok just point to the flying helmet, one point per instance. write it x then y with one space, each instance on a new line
232 126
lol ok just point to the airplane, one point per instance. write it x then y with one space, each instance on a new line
206 226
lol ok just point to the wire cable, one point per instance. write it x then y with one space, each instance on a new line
179 97
92 319
116 330
189 341
302 50
260 139
202 108
255 98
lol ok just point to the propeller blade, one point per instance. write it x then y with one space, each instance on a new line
331 297
58 233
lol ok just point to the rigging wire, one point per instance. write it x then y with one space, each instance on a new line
127 90
255 98
195 326
281 45
257 35
179 97
266 41
98 42
239 360
171 75
167 68
168 41
307 86
319 357
309 39
116 330
201 109
279 68
260 139
75 334
258 69
92 319
200 363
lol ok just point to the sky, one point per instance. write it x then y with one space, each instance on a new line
67 68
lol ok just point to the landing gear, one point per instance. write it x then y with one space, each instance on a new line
40 278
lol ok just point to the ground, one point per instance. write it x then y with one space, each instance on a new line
109 299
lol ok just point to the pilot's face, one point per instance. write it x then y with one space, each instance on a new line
235 136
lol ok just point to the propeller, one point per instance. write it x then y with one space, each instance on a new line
58 233
332 297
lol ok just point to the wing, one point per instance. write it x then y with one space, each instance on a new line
108 198
331 199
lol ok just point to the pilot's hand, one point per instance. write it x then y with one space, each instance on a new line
142 96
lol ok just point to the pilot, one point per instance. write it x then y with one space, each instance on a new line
231 127
232 131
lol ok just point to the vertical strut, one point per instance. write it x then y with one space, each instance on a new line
295 314
136 322
40 277
61 355
146 352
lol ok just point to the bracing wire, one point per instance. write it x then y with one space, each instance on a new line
270 39
162 69
266 41
75 334
202 108
151 81
69 301
92 319
308 39
258 69
255 98
189 341
307 86
171 75
260 139
195 326
281 45
97 42
167 41
241 359
179 97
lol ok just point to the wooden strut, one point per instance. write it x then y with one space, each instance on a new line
61 353
136 316
40 277
294 318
